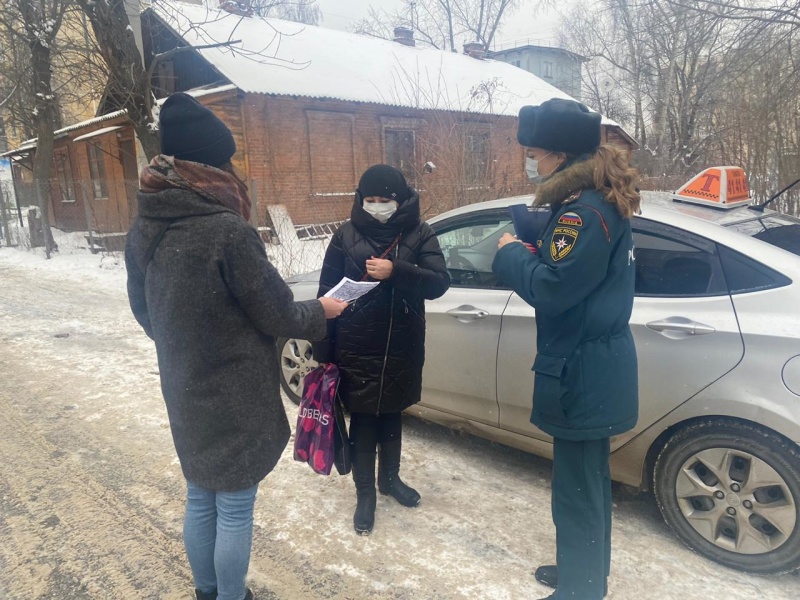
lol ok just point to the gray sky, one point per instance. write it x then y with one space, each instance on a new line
524 24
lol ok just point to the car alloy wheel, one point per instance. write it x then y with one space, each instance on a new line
731 491
296 361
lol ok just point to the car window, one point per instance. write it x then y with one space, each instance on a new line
744 274
469 246
672 262
777 229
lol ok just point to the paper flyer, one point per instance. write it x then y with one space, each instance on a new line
349 290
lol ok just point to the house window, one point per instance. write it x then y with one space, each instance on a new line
400 151
97 170
330 146
165 76
547 69
516 63
64 175
476 158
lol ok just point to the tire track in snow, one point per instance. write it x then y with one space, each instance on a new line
66 528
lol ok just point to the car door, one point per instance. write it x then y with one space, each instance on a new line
683 322
463 326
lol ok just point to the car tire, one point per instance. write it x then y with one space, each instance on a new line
295 361
731 492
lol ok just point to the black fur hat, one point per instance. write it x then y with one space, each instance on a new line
190 131
559 125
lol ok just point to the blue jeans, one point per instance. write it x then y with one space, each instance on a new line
218 534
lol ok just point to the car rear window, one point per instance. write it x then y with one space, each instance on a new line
744 274
782 231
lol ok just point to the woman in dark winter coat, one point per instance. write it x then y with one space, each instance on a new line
379 341
201 286
580 280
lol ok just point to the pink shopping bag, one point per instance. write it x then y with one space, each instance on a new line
314 436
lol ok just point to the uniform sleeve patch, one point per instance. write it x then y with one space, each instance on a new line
562 242
570 219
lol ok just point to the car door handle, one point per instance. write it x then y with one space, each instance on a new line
467 314
681 324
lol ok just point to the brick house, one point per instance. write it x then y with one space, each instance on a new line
95 173
312 108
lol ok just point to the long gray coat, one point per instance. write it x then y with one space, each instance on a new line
214 304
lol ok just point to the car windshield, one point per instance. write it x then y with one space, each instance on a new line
777 229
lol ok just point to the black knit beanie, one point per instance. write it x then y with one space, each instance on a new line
190 131
559 125
384 181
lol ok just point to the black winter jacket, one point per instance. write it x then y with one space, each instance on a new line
379 341
213 304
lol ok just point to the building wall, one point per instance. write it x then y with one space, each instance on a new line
309 154
564 71
110 208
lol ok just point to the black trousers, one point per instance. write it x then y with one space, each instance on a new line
367 430
582 515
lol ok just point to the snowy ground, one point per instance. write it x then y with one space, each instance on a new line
91 495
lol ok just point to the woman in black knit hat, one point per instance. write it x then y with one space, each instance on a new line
201 286
580 280
379 341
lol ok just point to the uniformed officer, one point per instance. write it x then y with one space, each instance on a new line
580 280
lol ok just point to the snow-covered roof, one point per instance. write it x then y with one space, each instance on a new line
290 59
28 145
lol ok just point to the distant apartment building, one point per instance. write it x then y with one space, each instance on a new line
558 67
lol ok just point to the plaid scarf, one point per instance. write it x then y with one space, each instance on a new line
218 186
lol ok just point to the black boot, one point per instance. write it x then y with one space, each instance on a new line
366 499
389 482
548 575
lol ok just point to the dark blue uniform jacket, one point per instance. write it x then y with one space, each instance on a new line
581 283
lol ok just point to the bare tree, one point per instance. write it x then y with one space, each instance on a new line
301 11
127 78
130 82
786 12
670 63
35 24
614 37
443 24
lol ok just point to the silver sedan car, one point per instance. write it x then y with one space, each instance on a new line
717 326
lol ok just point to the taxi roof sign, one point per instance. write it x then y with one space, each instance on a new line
721 187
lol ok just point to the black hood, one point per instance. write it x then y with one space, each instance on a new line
405 219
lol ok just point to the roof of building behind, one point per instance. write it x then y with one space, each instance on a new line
29 145
541 47
285 58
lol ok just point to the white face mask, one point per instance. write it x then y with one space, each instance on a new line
381 211
532 168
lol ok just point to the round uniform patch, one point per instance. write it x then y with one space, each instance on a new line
562 242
